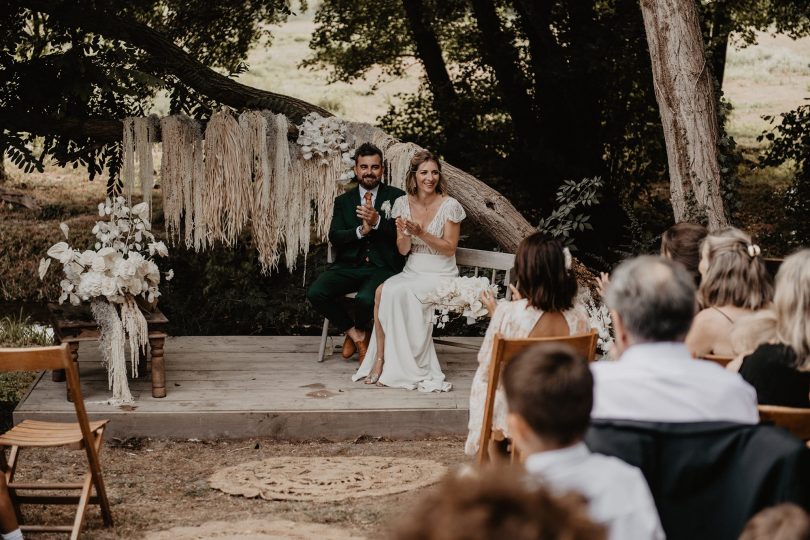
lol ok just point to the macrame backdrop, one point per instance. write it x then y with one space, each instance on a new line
181 173
245 170
228 196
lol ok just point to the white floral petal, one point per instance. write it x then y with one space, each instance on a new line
44 264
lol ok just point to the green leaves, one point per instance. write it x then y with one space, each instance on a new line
565 221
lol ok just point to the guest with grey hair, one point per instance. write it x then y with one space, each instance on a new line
652 303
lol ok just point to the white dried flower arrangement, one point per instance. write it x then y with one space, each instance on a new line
122 262
460 296
321 137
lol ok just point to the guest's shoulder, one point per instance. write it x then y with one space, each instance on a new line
768 357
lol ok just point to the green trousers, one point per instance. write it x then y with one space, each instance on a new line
326 292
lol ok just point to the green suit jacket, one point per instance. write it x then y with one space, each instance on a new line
381 241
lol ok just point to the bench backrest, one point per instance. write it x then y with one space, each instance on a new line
494 260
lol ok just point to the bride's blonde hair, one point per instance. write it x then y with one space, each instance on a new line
423 156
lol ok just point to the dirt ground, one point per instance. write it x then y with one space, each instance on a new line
155 485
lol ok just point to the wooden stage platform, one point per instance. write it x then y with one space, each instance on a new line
261 386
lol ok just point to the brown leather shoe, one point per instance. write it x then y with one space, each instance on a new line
349 348
362 347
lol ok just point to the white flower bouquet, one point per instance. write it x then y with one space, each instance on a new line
120 268
460 296
122 262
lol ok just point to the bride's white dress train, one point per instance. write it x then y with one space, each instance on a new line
410 357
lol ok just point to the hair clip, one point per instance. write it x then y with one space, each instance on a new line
568 259
753 250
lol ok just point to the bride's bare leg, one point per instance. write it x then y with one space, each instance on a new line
376 371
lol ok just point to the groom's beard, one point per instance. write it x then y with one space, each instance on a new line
369 182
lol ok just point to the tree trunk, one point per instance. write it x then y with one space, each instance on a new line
3 172
685 95
429 52
502 57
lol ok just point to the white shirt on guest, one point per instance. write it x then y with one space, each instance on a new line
363 201
617 493
661 382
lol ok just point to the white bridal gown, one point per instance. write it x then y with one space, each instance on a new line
410 357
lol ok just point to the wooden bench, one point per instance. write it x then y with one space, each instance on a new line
473 258
74 324
478 260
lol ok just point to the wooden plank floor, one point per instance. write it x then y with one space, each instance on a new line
249 386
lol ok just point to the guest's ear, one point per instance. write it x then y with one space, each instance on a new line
518 429
621 339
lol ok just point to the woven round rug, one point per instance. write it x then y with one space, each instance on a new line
326 478
254 530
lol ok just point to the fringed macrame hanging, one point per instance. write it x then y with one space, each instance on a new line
180 172
111 345
228 198
246 168
266 232
196 221
145 131
398 162
128 165
139 135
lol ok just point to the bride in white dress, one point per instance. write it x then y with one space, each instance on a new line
401 352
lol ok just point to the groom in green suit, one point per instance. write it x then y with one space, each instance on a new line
364 236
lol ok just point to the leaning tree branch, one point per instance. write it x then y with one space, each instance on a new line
173 58
496 215
99 129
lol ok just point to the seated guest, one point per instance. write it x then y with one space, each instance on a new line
496 504
543 307
652 303
681 243
778 368
549 390
8 517
735 284
782 522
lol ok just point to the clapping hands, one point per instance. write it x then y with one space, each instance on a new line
368 215
408 227
488 299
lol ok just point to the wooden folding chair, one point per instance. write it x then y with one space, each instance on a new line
503 351
718 359
31 433
793 419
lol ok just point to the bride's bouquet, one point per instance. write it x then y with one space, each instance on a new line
460 296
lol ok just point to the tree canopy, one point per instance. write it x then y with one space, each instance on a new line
525 94
72 70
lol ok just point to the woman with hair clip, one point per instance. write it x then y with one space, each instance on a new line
543 306
401 353
778 368
735 284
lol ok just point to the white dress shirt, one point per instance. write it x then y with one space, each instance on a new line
617 493
661 382
363 192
